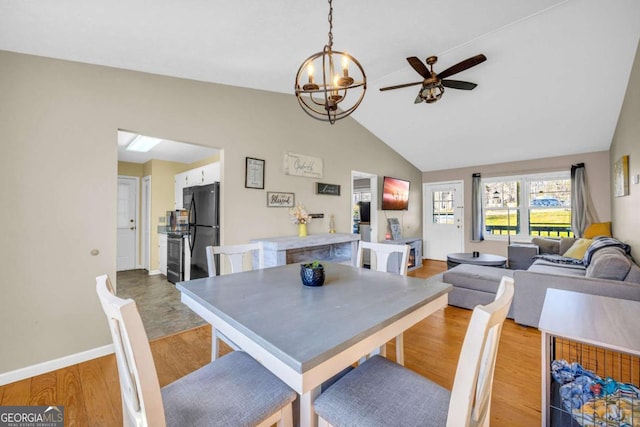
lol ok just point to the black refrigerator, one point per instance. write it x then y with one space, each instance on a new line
203 203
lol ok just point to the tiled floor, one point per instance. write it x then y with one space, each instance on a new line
158 302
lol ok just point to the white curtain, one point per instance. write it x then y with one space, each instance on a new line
477 218
582 211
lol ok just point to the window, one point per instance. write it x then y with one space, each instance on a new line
528 205
442 203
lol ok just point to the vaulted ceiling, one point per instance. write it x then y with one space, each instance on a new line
553 83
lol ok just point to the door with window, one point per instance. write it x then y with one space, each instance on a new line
443 219
127 223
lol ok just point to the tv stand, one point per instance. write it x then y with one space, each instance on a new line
415 255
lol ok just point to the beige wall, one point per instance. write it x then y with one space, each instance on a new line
597 165
58 127
626 141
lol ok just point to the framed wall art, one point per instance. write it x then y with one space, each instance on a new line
302 165
330 189
621 177
254 173
277 199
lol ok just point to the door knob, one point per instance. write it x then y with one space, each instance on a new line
132 228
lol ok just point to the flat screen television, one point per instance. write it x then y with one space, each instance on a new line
395 194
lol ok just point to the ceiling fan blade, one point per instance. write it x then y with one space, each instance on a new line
457 84
461 66
382 89
419 66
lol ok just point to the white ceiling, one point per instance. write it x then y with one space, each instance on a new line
553 83
166 150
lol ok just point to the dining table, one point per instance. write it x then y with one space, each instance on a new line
307 335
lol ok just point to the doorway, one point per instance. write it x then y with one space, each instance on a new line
364 188
157 163
127 220
443 219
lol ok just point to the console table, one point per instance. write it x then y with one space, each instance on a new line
333 247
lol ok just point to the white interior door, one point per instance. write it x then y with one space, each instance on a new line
127 223
443 219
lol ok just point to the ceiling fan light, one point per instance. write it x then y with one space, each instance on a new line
432 92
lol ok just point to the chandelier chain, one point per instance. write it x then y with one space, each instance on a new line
330 24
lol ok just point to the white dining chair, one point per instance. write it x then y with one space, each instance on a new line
233 390
382 393
380 253
236 255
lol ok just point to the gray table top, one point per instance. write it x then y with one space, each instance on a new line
593 319
295 242
305 326
481 259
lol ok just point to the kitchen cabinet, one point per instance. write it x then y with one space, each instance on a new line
203 175
162 253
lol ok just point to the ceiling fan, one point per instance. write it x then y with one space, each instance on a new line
433 84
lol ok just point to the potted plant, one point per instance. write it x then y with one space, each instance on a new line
312 274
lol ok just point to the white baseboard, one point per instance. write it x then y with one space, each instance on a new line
154 272
55 364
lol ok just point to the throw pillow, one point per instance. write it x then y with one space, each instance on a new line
578 249
546 246
598 229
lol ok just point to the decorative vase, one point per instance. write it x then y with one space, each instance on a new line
312 276
302 230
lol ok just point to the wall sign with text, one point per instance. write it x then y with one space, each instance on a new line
276 199
330 189
301 165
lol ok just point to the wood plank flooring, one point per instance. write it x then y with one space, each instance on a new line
91 395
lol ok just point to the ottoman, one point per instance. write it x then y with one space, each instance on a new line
474 285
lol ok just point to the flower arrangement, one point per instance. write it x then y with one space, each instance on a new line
299 215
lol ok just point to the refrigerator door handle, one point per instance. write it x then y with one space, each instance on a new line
192 224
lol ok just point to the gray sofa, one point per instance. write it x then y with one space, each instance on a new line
610 271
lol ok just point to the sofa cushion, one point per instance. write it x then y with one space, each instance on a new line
547 246
633 275
609 263
598 229
549 267
476 277
578 249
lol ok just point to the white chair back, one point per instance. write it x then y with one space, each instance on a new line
382 251
471 394
236 254
139 386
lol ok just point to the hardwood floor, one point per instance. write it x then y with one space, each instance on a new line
91 396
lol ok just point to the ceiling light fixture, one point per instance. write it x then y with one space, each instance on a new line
327 99
142 144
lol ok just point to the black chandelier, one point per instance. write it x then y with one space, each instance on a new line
338 94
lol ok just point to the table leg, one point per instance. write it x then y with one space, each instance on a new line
307 416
